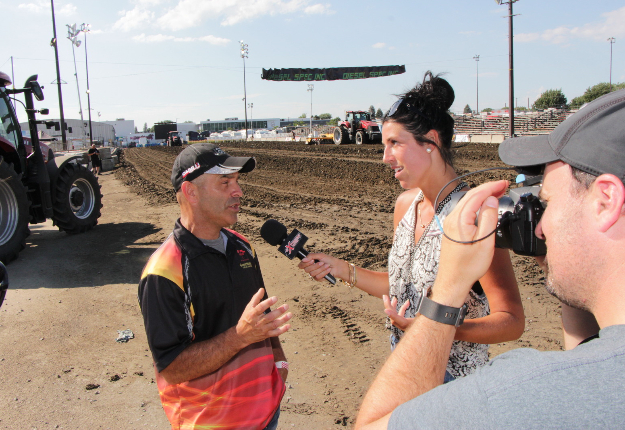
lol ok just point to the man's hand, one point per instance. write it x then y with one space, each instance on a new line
255 325
462 264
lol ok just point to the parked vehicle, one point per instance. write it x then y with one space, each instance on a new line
35 185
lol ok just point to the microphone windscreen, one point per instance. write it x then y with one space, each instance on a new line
273 232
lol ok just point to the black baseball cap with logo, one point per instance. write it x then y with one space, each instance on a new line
200 158
592 140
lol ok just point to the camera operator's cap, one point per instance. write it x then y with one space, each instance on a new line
592 140
200 158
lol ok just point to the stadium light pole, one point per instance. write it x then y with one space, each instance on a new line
510 64
251 106
58 77
477 84
244 55
611 40
86 28
311 87
72 35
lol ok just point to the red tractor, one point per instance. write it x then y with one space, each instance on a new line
357 128
36 185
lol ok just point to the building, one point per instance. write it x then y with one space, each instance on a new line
262 123
123 127
77 132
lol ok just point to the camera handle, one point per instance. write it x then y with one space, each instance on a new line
457 198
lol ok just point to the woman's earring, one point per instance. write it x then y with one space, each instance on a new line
429 150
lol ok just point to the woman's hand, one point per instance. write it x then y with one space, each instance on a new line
397 317
318 265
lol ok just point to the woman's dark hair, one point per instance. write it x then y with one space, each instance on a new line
424 108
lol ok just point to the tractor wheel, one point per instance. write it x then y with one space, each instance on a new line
341 136
14 216
78 199
361 137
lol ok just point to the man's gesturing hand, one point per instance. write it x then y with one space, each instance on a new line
256 325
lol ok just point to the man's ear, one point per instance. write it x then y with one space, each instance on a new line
608 194
189 191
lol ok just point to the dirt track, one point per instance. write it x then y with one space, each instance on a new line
70 294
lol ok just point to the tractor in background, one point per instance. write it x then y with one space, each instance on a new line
357 128
35 185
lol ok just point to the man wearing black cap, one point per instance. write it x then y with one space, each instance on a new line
213 337
584 228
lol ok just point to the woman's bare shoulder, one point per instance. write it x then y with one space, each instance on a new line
404 200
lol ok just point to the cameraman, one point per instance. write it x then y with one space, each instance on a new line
584 229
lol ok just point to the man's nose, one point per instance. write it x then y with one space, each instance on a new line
539 230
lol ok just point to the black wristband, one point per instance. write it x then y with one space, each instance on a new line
441 313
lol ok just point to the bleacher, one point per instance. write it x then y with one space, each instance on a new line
527 124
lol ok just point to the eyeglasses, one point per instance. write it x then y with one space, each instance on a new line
393 110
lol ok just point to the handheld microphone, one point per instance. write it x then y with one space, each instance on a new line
292 245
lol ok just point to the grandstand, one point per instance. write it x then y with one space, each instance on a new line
530 123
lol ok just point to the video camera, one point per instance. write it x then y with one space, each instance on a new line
519 214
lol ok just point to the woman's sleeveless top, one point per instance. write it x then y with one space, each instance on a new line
413 267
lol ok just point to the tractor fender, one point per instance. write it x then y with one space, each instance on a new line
57 164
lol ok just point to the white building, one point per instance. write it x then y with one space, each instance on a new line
77 133
123 128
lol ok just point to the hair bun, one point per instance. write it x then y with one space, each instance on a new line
445 95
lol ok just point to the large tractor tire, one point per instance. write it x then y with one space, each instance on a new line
341 136
78 199
361 137
14 216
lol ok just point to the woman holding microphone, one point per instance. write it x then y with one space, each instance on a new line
417 135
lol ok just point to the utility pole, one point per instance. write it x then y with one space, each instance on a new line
611 40
58 77
477 84
510 63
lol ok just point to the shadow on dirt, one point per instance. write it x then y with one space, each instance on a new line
108 254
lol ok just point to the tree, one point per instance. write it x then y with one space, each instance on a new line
467 109
167 121
136 129
372 111
188 122
145 127
302 116
334 121
379 114
551 99
487 110
325 116
595 92
298 123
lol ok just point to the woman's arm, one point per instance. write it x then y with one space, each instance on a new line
506 320
369 281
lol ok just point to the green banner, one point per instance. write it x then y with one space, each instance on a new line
332 73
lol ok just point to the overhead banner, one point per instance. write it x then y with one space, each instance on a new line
332 73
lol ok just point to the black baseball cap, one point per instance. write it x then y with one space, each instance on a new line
592 140
200 158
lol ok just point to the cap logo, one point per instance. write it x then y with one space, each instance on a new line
191 170
219 151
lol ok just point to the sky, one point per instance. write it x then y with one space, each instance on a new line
179 60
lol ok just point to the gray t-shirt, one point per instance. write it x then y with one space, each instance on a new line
219 244
527 389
